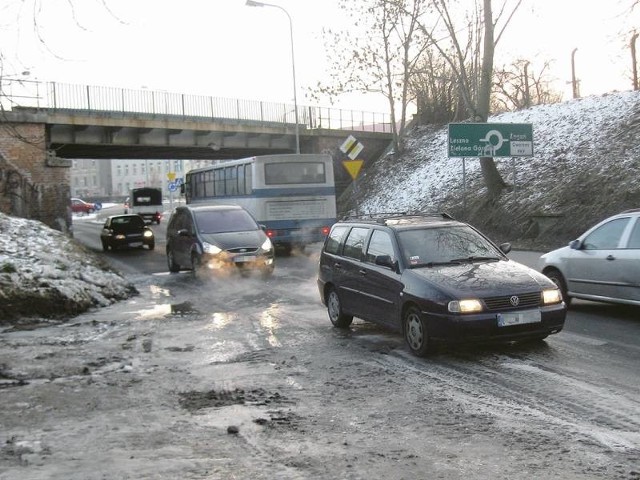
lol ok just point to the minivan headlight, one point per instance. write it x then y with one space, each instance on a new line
210 249
266 246
551 296
470 305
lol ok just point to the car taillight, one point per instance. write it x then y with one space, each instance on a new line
325 230
271 233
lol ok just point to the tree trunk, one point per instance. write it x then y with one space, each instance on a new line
492 178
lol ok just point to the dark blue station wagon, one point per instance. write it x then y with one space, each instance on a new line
435 279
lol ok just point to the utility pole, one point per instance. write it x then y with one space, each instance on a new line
574 81
527 96
634 63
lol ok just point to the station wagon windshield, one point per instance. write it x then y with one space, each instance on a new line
444 245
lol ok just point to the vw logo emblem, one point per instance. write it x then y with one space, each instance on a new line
515 300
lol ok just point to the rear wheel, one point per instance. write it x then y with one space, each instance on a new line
557 278
171 262
416 333
336 315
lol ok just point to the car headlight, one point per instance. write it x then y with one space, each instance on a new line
120 237
551 296
148 233
266 246
210 249
470 305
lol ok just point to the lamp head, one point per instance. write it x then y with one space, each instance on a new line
252 3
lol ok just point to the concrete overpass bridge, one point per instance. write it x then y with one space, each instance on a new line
45 125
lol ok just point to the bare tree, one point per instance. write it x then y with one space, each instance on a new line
518 86
469 49
382 59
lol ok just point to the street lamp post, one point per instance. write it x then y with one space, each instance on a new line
253 3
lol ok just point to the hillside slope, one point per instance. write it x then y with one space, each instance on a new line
586 166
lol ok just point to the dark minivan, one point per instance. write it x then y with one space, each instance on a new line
218 239
435 279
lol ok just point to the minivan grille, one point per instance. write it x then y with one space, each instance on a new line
242 250
525 300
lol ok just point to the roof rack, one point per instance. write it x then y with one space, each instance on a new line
382 217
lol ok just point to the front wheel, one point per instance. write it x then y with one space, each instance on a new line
171 262
196 265
336 315
152 245
416 333
556 277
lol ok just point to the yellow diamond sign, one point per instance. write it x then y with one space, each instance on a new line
353 167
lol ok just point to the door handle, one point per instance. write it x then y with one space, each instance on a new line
362 271
610 257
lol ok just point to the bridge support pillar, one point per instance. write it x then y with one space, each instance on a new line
34 184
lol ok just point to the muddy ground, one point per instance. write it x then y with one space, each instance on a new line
242 379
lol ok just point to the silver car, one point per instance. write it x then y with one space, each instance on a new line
603 264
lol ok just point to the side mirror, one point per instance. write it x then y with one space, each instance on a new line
385 261
575 245
505 247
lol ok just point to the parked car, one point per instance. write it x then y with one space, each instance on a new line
436 280
130 230
218 239
602 264
80 206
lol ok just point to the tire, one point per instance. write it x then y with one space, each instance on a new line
91 210
171 262
266 273
415 332
196 267
338 318
556 277
105 246
152 245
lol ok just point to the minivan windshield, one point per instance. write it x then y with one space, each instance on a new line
444 245
222 221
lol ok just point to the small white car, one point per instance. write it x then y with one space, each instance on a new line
603 264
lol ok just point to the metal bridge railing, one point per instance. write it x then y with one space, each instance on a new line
86 98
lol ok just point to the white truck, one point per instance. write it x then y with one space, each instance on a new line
146 202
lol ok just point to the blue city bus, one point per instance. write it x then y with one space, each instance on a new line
292 195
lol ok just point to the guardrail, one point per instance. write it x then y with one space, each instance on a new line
85 98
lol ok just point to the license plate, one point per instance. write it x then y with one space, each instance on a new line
519 318
244 258
135 244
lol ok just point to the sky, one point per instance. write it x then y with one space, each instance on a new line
224 48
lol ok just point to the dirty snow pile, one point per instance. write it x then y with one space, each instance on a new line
46 273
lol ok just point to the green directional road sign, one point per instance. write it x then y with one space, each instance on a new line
490 140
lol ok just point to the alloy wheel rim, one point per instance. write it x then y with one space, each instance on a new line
415 335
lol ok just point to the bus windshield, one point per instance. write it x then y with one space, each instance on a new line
294 173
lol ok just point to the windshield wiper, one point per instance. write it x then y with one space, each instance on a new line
435 264
477 259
